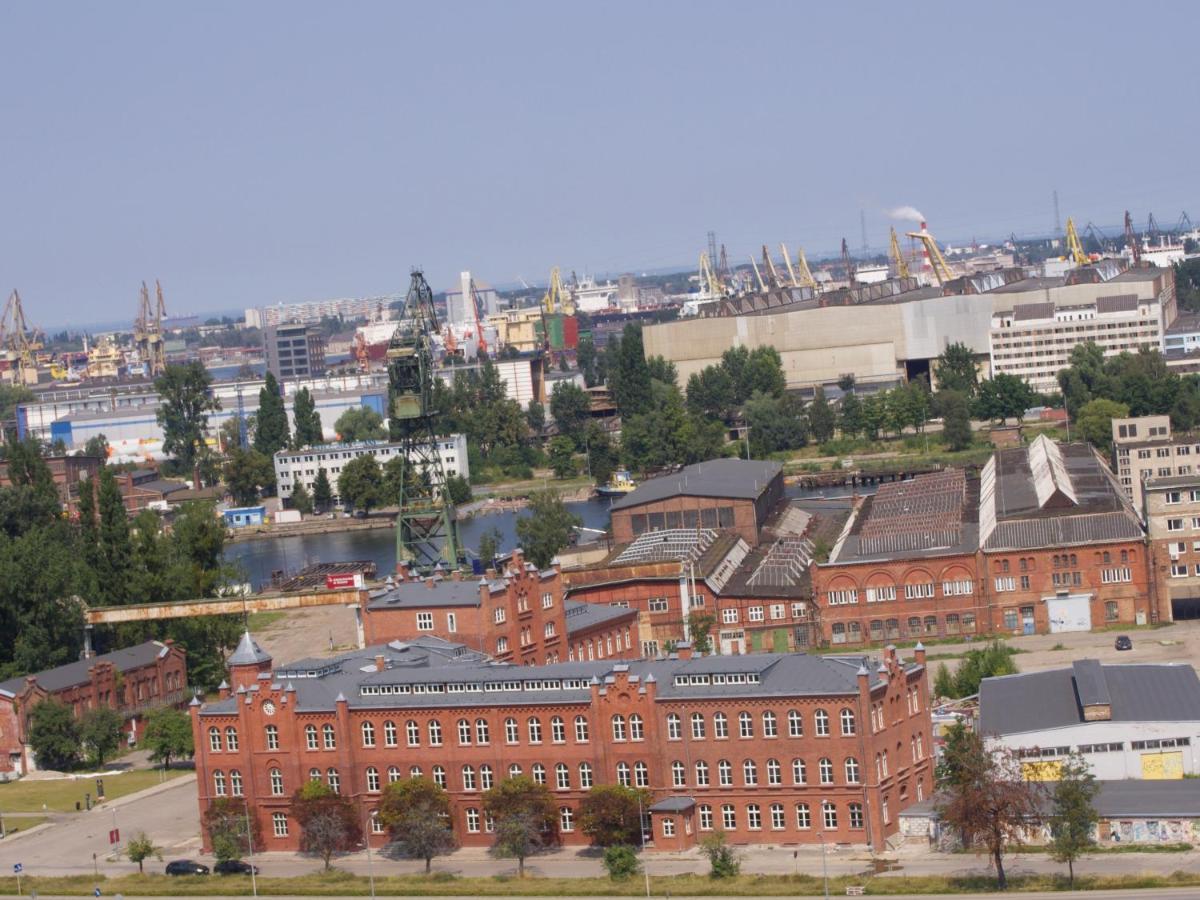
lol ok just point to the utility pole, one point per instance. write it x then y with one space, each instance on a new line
1057 218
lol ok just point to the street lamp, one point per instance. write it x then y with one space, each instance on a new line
371 814
824 863
250 848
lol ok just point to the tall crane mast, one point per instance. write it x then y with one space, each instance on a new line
787 261
769 267
1131 240
1074 245
804 274
848 264
708 277
937 262
758 276
476 307
426 525
556 299
898 259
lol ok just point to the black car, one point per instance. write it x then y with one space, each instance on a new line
234 867
1124 643
186 867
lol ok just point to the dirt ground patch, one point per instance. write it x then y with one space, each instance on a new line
319 631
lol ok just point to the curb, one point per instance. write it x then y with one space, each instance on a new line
16 836
145 792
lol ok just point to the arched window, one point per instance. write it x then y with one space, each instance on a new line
393 774
623 774
558 730
372 779
674 727
468 778
745 725
481 731
535 730
803 817
219 783
464 732
276 783
641 774
636 728
581 730
231 738
335 780
678 774
774 772
328 735
514 770
214 740
847 717
272 734
562 777
799 772
511 735
314 774
538 771
795 723
851 770
585 775
235 783
698 726
749 772
701 773
435 733
825 770
618 728
389 733
368 734
821 723
770 725
439 776
725 773
310 737
486 780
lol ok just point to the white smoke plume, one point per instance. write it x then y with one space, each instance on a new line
907 213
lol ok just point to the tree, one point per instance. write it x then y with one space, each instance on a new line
874 415
97 446
711 393
525 816
307 431
955 410
585 358
943 682
722 859
1073 813
1094 420
53 735
850 413
489 546
328 822
821 419
183 412
700 626
571 408
1003 397
955 370
602 456
360 423
100 732
548 527
140 848
361 483
271 431
535 418
233 829
611 814
984 797
167 735
417 814
996 658
322 491
10 396
629 378
114 549
669 435
621 862
301 500
562 456
775 423
246 473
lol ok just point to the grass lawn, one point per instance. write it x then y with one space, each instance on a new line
338 883
260 621
61 794
13 824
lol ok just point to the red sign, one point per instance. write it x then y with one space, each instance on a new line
342 580
114 836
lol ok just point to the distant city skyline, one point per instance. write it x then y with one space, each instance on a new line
283 152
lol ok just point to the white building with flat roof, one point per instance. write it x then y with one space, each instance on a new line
293 467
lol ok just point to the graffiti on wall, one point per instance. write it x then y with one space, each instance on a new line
1149 831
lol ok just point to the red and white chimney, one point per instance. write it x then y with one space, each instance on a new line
926 265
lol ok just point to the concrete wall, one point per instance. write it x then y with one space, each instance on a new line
1117 764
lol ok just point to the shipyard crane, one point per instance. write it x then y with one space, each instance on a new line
426 525
15 339
769 267
556 299
1184 225
709 281
758 276
476 306
1103 241
898 259
804 275
787 261
147 330
848 264
937 262
1074 246
1152 231
1131 240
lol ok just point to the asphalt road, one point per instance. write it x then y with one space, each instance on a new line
1144 894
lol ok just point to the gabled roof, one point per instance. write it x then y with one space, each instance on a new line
74 673
736 479
437 591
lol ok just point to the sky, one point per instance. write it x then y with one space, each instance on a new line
253 153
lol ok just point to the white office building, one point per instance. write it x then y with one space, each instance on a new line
293 467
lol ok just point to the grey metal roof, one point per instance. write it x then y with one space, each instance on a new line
738 479
585 616
1119 303
419 594
74 673
1027 311
1132 798
674 804
248 653
1015 704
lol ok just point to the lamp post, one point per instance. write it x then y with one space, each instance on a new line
642 832
824 863
371 814
250 848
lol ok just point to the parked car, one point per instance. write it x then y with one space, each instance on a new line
186 867
234 867
1124 643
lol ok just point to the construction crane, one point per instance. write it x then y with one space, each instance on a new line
709 281
556 299
898 259
147 330
17 342
1092 232
848 264
1131 240
937 262
1074 246
426 525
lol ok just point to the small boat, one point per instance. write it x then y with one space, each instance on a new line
619 483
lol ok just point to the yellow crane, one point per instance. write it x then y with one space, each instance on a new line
897 257
1074 245
556 299
708 277
941 271
804 275
16 341
769 266
758 276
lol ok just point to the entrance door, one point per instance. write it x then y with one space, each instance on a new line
733 643
1072 612
1027 624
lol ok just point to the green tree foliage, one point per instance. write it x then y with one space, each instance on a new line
628 373
850 412
723 860
955 410
53 735
711 393
183 413
416 812
1073 813
535 418
301 500
459 489
943 682
1187 284
307 431
586 359
776 423
571 408
821 417
329 822
498 434
525 816
1003 397
322 491
983 796
700 626
140 848
231 831
718 391
874 415
489 546
995 658
167 734
271 433
955 370
1094 420
602 457
360 423
621 862
10 396
1140 380
611 814
669 435
360 485
562 456
546 528
97 446
100 733
246 474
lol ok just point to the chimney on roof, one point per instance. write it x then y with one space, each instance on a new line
684 649
380 662
402 570
429 582
456 575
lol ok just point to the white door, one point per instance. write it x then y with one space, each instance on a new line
733 643
1070 613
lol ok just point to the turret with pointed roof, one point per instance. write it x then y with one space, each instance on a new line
247 662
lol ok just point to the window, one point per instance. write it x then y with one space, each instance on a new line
231 738
485 778
799 772
389 733
472 821
451 623
373 780
1111 612
825 768
881 593
514 770
729 615
749 773
1179 570
657 604
219 783
847 717
566 818
279 823
481 731
335 781
745 725
852 770
368 734
581 730
547 600
511 735
706 817
272 737
1006 584
803 817
535 731
641 774
829 814
668 827
276 783
548 630
918 591
585 775
636 728
468 778
856 815
755 614
1174 524
393 774
701 773
424 621
842 598
214 740
697 726
778 611
753 817
678 774
623 774
728 817
501 645
725 773
439 776
795 724
538 771
774 772
618 728
674 729
958 588
821 723
720 725
413 732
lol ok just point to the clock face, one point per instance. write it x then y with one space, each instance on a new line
268 708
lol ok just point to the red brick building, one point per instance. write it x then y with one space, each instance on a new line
769 748
132 681
69 472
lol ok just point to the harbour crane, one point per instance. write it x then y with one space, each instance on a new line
937 262
708 277
556 299
758 276
804 275
1074 245
147 330
427 524
1131 240
476 307
18 341
898 259
848 264
769 266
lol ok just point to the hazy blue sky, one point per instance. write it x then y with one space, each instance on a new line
247 153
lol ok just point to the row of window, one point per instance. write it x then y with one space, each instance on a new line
770 724
889 629
959 587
